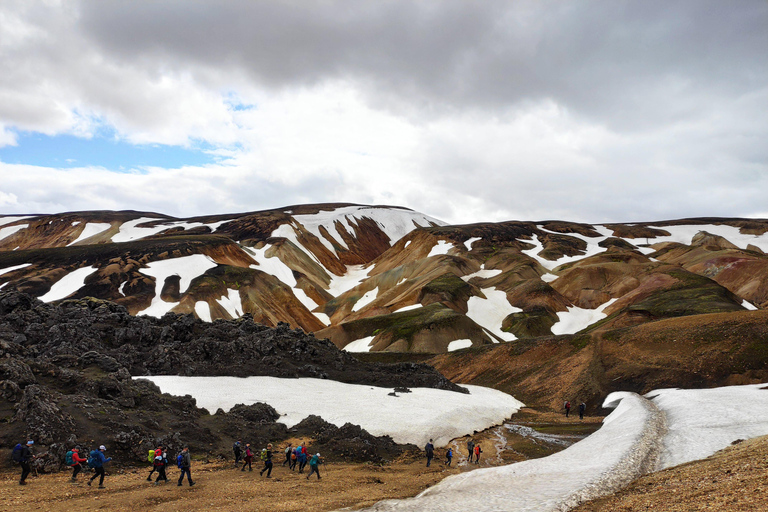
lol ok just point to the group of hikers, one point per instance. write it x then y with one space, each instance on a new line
293 457
582 409
473 452
23 456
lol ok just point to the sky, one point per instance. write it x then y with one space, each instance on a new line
593 111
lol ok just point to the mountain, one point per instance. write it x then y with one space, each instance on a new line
383 278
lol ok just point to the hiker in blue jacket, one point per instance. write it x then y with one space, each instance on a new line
97 460
448 457
314 464
22 455
185 464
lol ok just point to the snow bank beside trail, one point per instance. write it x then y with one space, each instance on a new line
408 418
602 463
703 421
68 284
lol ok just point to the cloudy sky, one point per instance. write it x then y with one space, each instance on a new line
467 111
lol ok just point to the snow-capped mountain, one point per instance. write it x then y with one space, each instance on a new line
380 278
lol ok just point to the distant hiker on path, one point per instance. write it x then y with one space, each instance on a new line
248 457
73 460
582 409
448 457
478 451
314 462
97 461
567 408
288 451
267 458
430 449
22 455
238 452
186 467
470 448
294 458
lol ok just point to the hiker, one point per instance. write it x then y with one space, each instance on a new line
97 461
470 448
448 457
238 452
248 457
73 460
314 462
582 409
266 456
161 462
567 408
22 455
478 451
185 464
294 458
302 457
430 449
288 451
151 458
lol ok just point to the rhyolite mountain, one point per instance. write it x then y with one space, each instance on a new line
388 279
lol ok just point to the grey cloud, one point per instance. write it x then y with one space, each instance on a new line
624 63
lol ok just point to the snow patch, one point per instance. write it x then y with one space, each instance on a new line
186 267
576 318
91 229
361 345
483 273
459 344
232 303
468 243
8 220
548 278
366 299
15 267
748 305
10 230
491 311
441 248
408 308
203 310
68 284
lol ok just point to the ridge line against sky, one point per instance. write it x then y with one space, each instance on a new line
593 111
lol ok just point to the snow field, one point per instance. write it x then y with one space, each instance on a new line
488 313
483 273
8 220
408 418
130 230
684 235
68 284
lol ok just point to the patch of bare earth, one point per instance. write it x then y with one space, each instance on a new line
732 480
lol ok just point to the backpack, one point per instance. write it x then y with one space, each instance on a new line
263 454
16 453
92 459
151 456
68 458
179 459
450 453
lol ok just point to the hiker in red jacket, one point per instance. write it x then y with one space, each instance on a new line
478 451
76 460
